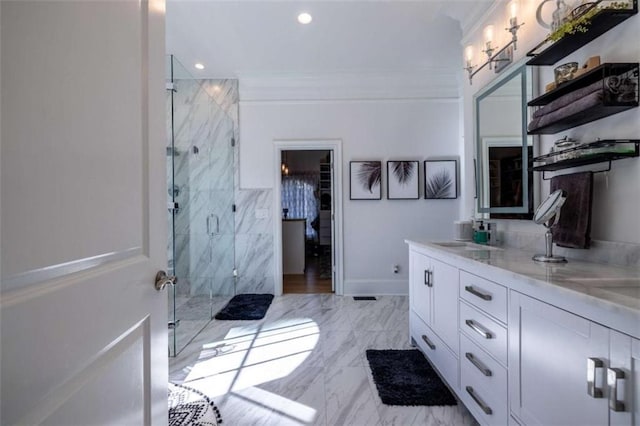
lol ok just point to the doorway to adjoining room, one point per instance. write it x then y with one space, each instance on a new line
307 221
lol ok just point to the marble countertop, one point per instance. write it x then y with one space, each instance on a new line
607 294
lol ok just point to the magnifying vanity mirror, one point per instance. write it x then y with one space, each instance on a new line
504 151
548 214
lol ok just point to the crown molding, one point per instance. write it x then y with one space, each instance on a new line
475 25
423 84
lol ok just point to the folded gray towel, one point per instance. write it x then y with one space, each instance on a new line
575 107
574 228
567 99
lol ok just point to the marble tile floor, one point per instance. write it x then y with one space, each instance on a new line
305 364
194 313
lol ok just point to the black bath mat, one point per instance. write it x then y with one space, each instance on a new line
405 377
246 307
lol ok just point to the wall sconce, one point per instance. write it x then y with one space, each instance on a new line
514 5
468 53
502 57
488 39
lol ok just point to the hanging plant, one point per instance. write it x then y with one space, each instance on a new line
580 23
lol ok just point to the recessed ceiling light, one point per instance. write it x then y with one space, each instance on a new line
304 18
199 66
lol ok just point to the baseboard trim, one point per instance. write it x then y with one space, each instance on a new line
376 287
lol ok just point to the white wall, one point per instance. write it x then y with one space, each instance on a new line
616 199
374 231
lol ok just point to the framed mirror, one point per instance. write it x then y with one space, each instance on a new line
504 151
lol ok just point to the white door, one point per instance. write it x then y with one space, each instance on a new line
623 375
444 281
83 230
553 355
420 282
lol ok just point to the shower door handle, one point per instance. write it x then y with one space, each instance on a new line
216 223
163 280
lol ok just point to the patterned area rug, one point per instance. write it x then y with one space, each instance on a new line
190 407
405 377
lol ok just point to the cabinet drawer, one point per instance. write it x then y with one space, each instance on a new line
436 351
484 331
477 363
488 405
484 294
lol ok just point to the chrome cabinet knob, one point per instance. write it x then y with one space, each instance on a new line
162 280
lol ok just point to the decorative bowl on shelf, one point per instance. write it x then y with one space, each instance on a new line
565 72
562 145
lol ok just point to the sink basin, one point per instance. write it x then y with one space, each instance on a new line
464 245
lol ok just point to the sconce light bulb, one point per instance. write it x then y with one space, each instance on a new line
282 167
488 34
468 54
513 9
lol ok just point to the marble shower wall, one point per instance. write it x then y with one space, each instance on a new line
204 190
253 236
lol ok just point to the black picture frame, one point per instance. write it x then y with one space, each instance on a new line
365 180
403 180
440 179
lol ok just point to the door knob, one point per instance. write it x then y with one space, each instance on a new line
162 280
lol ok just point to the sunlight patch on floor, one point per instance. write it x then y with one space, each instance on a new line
282 405
252 355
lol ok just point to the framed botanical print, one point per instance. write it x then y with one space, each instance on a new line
440 179
365 180
402 180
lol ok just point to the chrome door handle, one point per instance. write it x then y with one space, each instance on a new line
478 329
473 360
162 280
216 229
428 342
475 292
476 398
592 365
613 375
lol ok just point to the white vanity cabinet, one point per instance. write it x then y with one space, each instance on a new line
434 312
567 370
528 344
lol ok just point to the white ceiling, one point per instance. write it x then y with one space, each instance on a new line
253 38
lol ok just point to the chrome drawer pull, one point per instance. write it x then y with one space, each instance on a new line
475 292
613 375
483 406
592 365
472 359
428 342
479 329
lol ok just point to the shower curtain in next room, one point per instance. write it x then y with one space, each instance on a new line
200 197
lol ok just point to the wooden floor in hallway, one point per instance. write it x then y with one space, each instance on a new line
309 282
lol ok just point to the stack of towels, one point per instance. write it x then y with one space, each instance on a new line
568 105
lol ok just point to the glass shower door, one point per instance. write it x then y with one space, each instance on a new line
201 195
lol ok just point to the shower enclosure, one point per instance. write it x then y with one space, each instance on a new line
200 195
